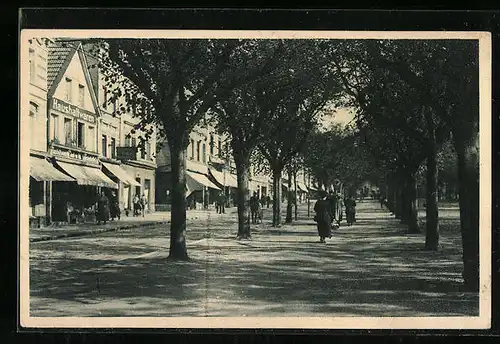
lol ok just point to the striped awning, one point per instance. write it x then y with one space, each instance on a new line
41 169
229 180
121 174
86 175
196 181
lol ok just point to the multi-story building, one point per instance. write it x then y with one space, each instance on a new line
205 158
131 168
75 138
72 132
34 132
210 169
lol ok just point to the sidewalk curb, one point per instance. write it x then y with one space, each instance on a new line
96 231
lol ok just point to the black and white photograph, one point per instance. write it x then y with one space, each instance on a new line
255 179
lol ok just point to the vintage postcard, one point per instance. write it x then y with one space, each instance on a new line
255 179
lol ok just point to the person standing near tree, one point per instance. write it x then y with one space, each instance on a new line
114 209
222 203
254 206
350 210
331 199
102 208
322 217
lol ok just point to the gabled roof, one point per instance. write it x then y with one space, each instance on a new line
59 57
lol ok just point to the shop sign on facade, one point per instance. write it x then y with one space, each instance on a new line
74 155
126 153
72 110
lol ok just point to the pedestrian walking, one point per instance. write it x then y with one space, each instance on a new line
114 208
222 203
144 203
332 205
137 205
254 206
350 210
102 208
322 217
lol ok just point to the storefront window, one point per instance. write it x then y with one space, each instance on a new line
35 192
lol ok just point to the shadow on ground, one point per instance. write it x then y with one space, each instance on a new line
370 269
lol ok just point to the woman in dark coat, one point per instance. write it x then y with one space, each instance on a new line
102 209
114 209
322 218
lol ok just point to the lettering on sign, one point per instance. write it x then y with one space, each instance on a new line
74 155
72 110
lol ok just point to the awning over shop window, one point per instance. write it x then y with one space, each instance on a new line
41 169
121 174
231 180
195 166
86 175
196 181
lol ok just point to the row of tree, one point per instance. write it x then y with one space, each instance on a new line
268 95
414 99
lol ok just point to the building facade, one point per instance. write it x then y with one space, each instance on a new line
210 170
74 138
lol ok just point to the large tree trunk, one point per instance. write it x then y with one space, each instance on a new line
289 203
295 192
178 250
468 176
243 198
277 197
398 202
431 200
411 204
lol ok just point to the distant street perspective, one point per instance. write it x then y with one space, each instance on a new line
252 177
372 268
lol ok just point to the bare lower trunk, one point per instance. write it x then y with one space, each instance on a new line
411 204
295 188
289 203
468 176
277 198
431 200
243 197
178 250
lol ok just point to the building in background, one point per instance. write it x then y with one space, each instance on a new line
34 123
72 132
205 166
133 169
